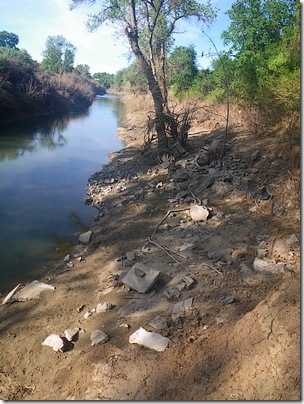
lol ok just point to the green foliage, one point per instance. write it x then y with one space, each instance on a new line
83 70
8 39
20 55
59 55
182 69
105 79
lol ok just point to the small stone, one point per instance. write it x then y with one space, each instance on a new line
227 299
125 325
183 305
102 307
187 246
199 213
98 337
70 334
87 314
150 340
54 341
67 258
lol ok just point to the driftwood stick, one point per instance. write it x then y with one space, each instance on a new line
204 232
167 214
214 269
167 252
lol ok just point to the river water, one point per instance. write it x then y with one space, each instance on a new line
44 169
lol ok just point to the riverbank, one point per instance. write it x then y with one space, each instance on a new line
238 338
26 91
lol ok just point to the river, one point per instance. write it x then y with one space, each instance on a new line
44 169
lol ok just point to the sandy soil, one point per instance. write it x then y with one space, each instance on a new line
248 349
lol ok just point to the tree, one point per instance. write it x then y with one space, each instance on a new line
105 79
182 68
59 55
148 26
8 39
83 70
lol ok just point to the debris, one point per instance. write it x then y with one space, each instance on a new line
172 293
10 294
102 307
32 291
150 340
85 238
98 337
140 283
199 213
227 299
54 341
182 305
70 334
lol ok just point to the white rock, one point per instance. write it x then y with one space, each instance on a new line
150 340
102 307
67 258
70 334
199 213
32 291
98 337
85 238
54 341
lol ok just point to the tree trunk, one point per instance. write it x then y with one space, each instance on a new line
154 87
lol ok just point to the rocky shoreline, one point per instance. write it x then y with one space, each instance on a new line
162 304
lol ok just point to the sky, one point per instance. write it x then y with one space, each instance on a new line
103 51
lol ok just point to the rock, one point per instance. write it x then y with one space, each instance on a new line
187 246
54 341
32 291
67 258
227 299
102 307
130 256
199 213
159 323
172 293
150 340
256 155
87 314
9 296
70 334
182 305
140 277
85 238
266 265
98 337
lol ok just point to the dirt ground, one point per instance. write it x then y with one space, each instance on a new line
239 340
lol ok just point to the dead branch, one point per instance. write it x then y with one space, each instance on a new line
166 250
214 269
166 215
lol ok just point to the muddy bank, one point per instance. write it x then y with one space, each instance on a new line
237 337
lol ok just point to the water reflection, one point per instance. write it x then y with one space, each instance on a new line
44 168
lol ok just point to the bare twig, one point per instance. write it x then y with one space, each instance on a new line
166 215
214 269
166 250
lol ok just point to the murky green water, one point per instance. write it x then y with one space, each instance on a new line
44 168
